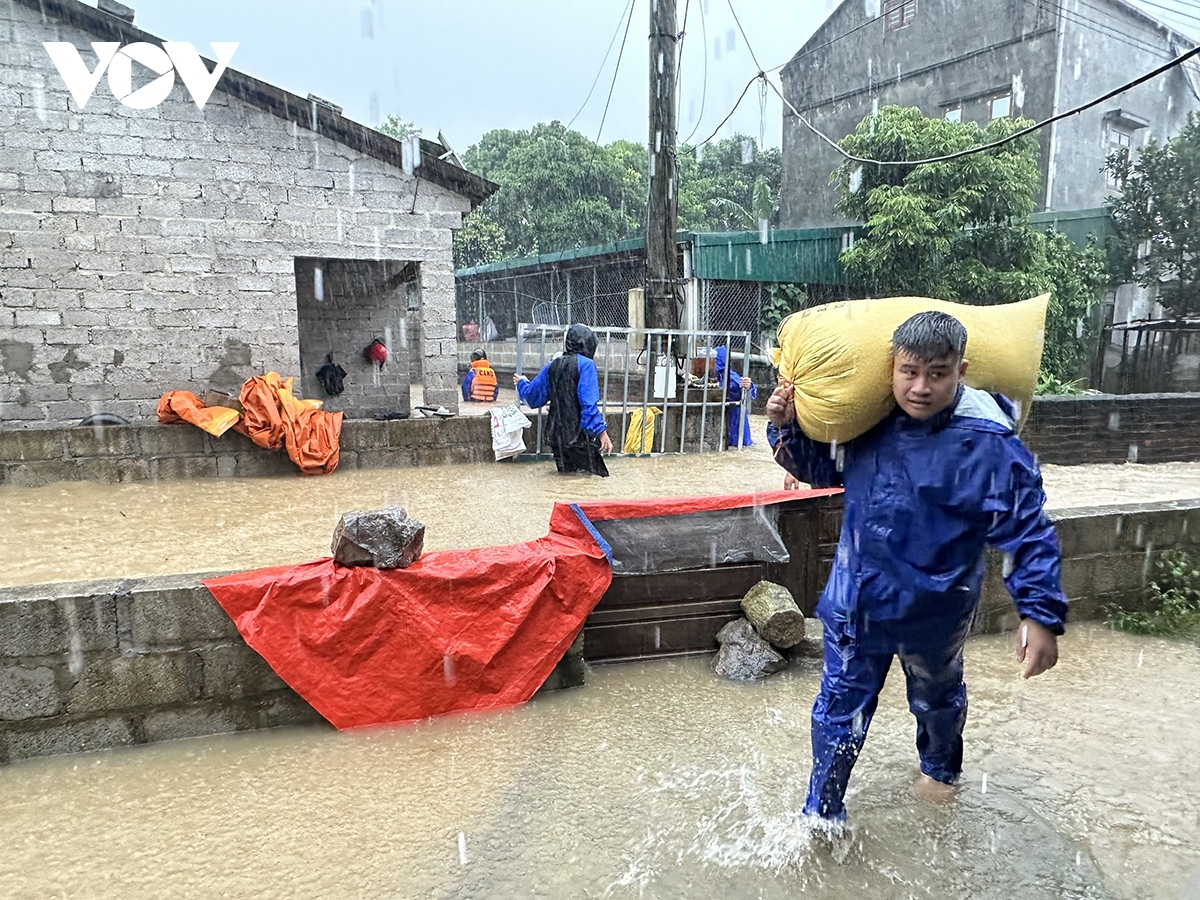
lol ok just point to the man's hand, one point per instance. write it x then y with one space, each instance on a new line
605 443
517 379
747 384
790 482
1039 648
781 408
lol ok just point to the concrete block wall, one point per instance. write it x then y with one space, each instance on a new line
129 453
1094 428
147 250
108 664
105 664
354 303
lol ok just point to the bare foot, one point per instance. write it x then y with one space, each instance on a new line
932 791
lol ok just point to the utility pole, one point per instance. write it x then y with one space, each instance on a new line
662 261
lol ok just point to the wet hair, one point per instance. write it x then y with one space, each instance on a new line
930 335
580 339
477 354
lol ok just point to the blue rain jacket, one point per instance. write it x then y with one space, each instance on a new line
922 499
733 392
536 393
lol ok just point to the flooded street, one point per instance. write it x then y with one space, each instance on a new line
653 780
75 531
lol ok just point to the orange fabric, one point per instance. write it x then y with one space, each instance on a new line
275 418
483 387
175 407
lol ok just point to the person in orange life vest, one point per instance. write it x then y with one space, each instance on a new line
481 384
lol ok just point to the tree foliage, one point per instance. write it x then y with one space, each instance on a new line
400 129
958 230
560 190
1158 210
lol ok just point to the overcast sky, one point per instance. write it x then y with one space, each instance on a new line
468 66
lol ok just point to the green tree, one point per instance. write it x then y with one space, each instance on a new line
958 230
558 189
730 185
400 129
1158 210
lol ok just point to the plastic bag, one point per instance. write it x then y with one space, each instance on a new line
839 357
508 426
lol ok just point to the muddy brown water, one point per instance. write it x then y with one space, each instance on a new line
75 531
655 780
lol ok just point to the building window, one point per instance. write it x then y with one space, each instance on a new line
954 113
898 14
1001 106
1117 140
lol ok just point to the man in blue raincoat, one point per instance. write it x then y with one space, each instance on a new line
737 388
925 491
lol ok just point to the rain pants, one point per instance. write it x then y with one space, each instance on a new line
739 424
571 385
922 499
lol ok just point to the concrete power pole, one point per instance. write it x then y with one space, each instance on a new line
662 261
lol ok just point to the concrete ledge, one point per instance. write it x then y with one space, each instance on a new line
118 454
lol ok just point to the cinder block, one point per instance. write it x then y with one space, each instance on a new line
194 721
36 739
393 458
39 474
129 682
156 441
176 467
37 626
102 440
174 617
285 708
235 671
28 693
114 471
32 444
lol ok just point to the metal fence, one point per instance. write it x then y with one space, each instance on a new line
1159 356
659 385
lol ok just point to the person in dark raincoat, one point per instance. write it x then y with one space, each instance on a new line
926 490
735 391
575 430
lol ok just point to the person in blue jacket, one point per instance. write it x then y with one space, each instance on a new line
575 429
735 390
925 490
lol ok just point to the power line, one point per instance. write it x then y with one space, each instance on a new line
616 70
600 71
735 106
744 38
1175 12
1077 18
704 87
1179 60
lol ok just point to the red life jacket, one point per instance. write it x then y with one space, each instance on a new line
483 386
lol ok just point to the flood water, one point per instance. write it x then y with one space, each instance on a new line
655 780
75 531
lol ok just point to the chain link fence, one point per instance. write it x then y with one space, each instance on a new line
596 295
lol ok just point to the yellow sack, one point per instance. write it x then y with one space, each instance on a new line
839 357
646 428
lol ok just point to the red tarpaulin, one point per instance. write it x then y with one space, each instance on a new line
458 630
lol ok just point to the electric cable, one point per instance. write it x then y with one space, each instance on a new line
600 71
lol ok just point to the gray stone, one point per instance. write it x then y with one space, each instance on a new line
774 614
131 682
36 739
744 656
388 539
28 693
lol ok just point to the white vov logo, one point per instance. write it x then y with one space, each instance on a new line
168 60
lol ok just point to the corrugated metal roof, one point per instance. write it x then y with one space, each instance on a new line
792 255
796 256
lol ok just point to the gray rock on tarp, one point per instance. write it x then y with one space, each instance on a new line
745 656
387 539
